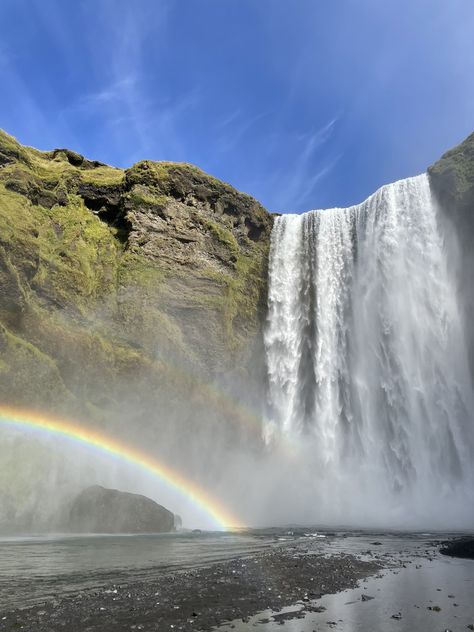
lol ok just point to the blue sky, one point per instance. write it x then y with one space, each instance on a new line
301 103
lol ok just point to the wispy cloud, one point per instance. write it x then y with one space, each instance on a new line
229 119
233 128
126 105
296 186
117 91
313 140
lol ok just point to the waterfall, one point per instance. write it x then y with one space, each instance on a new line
366 359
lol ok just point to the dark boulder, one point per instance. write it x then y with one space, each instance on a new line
463 547
100 510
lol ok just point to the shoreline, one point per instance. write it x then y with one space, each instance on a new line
204 597
327 584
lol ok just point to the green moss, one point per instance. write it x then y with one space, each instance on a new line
15 220
453 175
74 255
90 313
153 175
238 300
195 173
103 176
136 270
223 235
140 197
28 373
78 253
11 148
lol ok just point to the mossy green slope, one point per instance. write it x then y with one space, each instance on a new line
111 276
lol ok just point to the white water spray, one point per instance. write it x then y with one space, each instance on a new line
366 358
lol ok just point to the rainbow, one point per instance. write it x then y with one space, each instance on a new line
22 418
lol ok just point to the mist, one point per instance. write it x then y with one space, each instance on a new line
356 412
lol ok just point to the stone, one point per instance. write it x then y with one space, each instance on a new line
100 510
463 547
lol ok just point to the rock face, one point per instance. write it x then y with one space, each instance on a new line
111 277
130 300
101 510
452 180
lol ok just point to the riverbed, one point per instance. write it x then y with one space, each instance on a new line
302 578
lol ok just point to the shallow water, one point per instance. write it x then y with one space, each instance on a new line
33 569
37 569
420 579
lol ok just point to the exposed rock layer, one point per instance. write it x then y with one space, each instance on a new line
112 276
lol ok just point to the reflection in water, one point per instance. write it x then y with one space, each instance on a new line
34 569
405 598
416 578
410 593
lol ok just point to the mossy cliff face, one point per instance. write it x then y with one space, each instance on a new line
110 277
452 181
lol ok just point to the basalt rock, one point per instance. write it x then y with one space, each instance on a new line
101 510
462 547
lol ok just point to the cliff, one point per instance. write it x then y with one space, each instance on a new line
144 279
452 181
133 300
111 277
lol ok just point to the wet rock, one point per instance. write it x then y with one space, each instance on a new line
463 547
101 510
315 608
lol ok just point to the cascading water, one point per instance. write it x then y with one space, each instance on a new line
367 367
